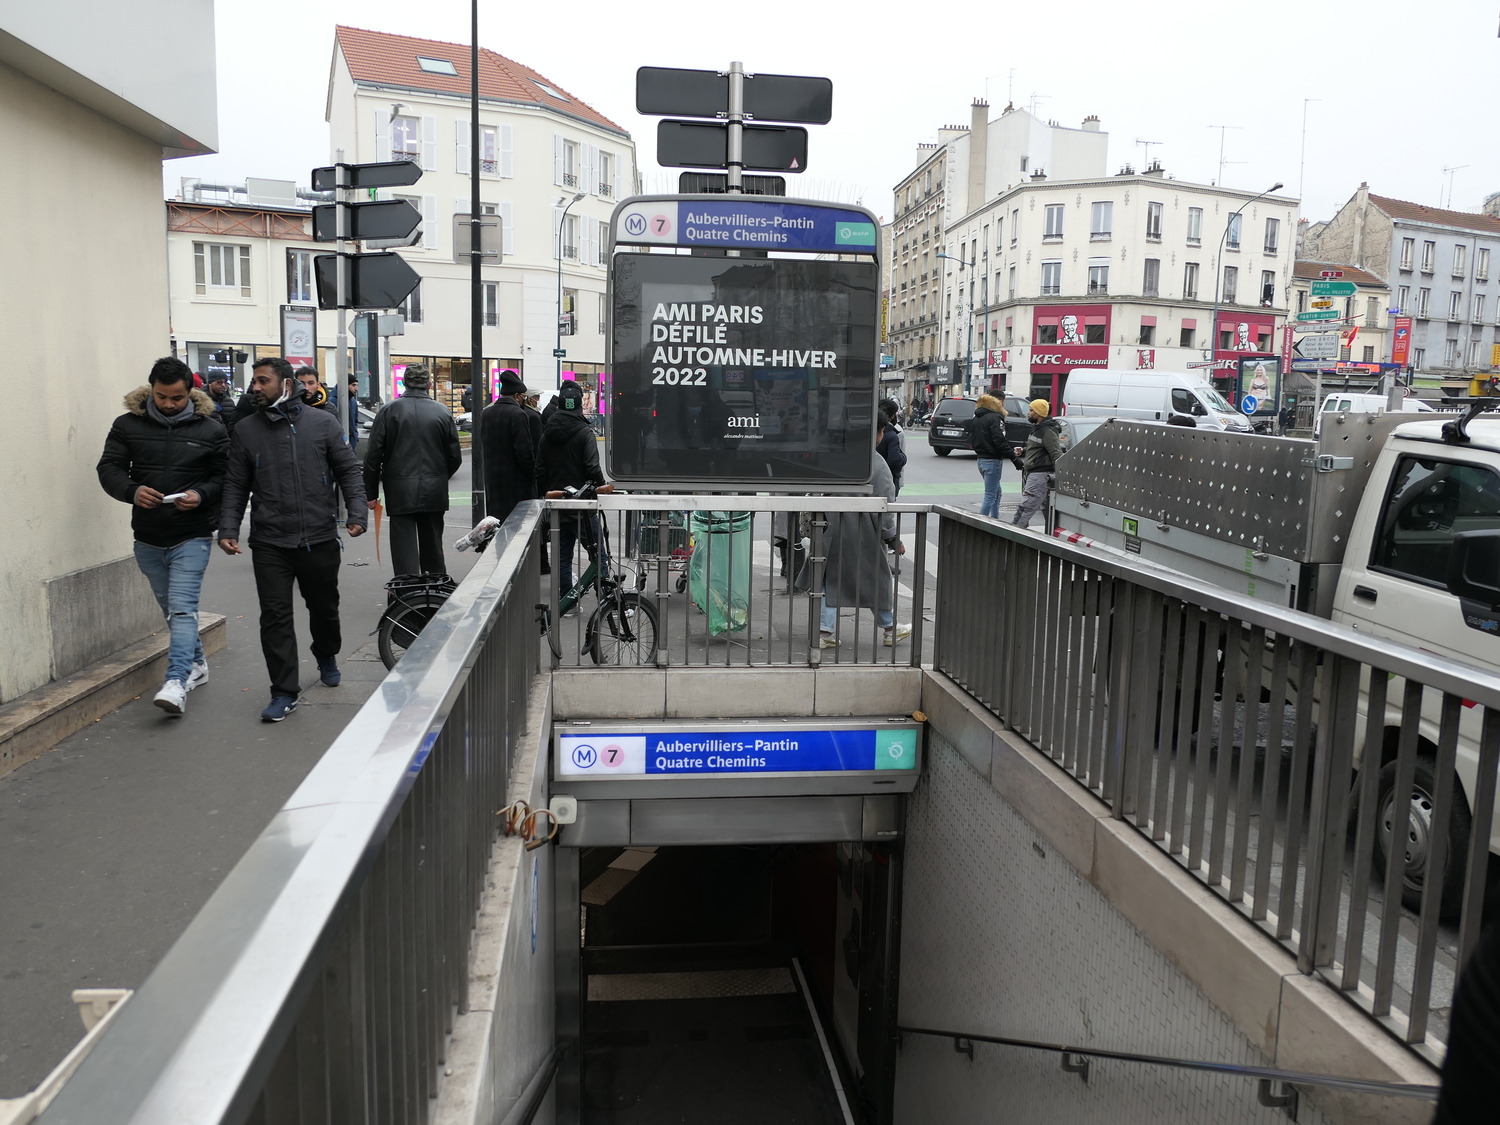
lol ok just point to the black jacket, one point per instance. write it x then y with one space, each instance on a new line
509 452
569 454
290 457
893 449
414 449
188 456
987 436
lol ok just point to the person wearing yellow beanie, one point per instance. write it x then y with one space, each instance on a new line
1039 460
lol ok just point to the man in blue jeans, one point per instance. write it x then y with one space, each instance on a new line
165 457
987 436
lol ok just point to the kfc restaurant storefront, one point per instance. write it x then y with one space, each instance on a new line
1239 335
1065 337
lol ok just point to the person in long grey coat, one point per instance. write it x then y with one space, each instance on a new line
858 546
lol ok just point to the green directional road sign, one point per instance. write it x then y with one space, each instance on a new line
1320 314
1334 288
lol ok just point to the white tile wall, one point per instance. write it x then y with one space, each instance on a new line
1002 936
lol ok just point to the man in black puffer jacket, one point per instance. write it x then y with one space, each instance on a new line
414 449
568 458
289 455
165 457
987 436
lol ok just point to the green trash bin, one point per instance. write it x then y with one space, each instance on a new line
719 569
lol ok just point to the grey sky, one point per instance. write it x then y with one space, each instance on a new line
1403 92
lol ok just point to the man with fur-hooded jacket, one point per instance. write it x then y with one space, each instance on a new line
165 456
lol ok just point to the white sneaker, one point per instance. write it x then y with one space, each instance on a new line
198 676
896 635
172 698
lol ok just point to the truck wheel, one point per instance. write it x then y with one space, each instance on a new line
941 452
1419 835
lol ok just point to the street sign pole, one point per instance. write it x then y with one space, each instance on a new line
736 160
341 339
479 383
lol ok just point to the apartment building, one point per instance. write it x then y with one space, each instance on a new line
88 120
1113 271
1439 265
394 97
954 177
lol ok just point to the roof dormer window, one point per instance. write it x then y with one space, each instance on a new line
549 91
436 66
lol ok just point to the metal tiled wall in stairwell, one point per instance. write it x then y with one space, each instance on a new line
1001 936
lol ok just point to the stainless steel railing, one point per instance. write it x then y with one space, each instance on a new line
320 981
1229 731
739 580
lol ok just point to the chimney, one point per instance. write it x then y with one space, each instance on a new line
1091 123
979 148
1155 170
1128 170
1039 174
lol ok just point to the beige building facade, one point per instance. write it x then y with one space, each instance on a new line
88 120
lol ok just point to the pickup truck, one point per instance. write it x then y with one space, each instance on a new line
1381 524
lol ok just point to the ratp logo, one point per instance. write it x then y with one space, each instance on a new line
635 223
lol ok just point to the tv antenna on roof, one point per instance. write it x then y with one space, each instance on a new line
1449 173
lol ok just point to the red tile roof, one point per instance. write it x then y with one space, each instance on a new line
1305 268
1416 212
376 56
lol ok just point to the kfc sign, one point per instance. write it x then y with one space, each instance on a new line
1241 333
1145 359
1066 336
999 357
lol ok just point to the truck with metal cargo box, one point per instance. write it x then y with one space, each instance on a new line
1385 524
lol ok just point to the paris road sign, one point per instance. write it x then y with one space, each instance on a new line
386 173
1320 314
662 91
378 219
372 281
1334 288
705 144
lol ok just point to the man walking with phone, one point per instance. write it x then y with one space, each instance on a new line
165 457
285 458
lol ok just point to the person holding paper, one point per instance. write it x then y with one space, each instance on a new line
165 456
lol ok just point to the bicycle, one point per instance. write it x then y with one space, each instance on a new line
623 627
413 599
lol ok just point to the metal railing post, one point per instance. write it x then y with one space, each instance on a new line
919 592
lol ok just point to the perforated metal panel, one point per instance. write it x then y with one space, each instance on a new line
1248 489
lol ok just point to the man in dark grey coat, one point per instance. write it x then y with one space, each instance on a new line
289 455
510 449
414 449
858 571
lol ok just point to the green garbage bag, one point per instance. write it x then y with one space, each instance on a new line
719 569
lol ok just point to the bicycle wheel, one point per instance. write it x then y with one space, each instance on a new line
622 630
402 623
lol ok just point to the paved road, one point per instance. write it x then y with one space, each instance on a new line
113 841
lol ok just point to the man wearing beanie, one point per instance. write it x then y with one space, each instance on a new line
569 458
414 450
509 449
1038 460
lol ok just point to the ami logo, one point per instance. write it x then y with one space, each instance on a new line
745 422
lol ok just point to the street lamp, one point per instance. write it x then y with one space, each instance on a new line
969 339
561 223
1213 324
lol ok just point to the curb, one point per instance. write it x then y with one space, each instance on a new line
34 723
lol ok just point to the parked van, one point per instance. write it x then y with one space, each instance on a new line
1148 396
1342 402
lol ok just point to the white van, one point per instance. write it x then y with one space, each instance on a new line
1148 396
1342 402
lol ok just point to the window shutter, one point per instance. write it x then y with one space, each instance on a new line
507 151
429 144
382 134
429 222
591 171
461 206
557 163
603 243
461 146
508 241
589 251
557 218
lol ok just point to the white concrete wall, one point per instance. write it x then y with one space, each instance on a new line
85 293
1002 936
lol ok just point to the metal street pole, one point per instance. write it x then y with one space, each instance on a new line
562 222
1213 324
341 339
735 161
479 379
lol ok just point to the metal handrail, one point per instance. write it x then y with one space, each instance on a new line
535 1094
1439 672
1264 1073
199 1039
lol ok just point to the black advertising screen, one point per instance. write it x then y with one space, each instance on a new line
753 372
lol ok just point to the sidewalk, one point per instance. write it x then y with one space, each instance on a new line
113 841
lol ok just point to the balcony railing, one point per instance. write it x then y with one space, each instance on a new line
411 157
606 191
570 179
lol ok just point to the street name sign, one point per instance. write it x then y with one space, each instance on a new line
761 223
1334 288
1319 314
371 281
662 91
379 219
386 173
1324 346
705 144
